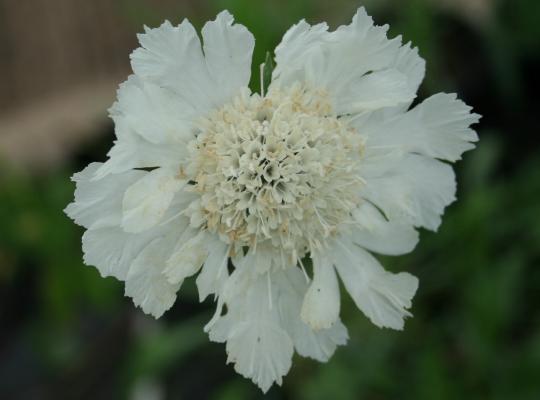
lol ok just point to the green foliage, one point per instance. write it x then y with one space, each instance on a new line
38 240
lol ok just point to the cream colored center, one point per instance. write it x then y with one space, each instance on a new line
277 171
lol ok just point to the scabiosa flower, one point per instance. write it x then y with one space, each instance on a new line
242 189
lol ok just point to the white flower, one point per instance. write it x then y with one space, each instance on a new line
330 164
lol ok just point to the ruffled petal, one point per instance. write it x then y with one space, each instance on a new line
377 90
145 281
214 271
382 296
261 351
99 203
153 112
133 151
357 64
255 341
228 49
298 42
415 192
408 62
105 244
263 311
188 256
320 308
112 251
172 57
147 200
290 291
263 258
439 128
375 233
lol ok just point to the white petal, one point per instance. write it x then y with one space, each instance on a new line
376 163
188 256
99 203
147 200
240 281
290 289
262 258
214 271
382 296
347 54
438 127
221 327
256 343
409 63
261 351
412 65
377 90
318 345
228 49
172 58
157 114
380 235
145 281
299 41
111 250
415 192
320 308
133 151
357 64
446 122
370 49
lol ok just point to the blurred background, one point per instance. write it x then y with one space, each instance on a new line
66 333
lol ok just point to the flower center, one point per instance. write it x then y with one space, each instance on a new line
277 171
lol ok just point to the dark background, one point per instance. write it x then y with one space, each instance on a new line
66 333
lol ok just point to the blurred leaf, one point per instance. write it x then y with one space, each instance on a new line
159 349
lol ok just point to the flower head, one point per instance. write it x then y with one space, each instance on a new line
327 167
